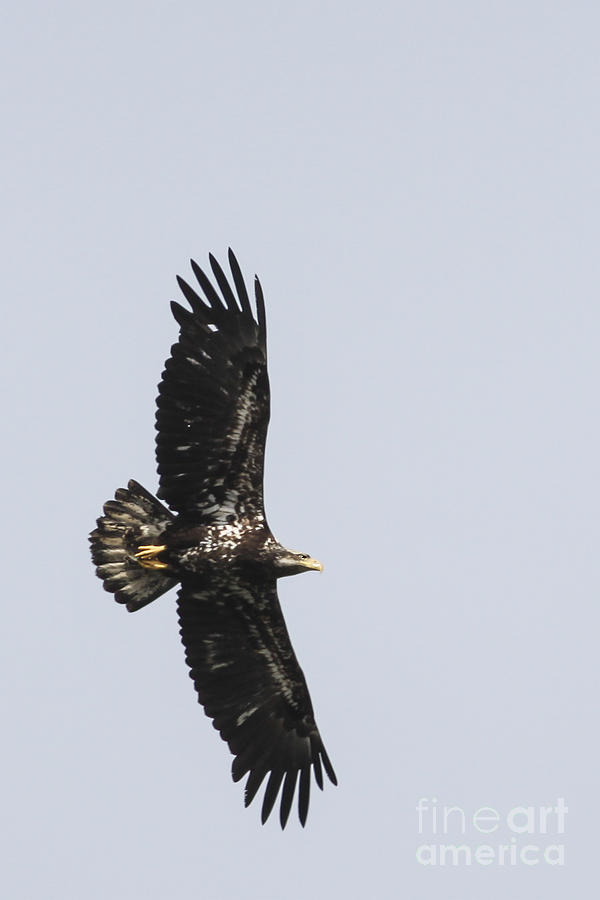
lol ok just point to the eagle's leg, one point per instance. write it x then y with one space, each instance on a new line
146 556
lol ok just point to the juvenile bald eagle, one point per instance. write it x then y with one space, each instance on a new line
214 540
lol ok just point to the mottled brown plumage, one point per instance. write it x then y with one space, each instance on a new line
212 418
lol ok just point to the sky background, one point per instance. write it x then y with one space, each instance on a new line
418 187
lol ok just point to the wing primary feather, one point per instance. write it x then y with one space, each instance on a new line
328 767
287 795
259 768
318 770
255 779
223 283
191 296
240 284
182 315
206 285
271 791
304 794
260 312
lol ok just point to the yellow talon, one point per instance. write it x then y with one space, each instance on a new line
146 556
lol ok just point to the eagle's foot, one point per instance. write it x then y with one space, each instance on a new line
146 556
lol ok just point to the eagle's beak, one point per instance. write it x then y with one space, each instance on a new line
313 564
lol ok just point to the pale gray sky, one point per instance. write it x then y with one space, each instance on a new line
418 187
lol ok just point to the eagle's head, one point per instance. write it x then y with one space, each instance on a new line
291 562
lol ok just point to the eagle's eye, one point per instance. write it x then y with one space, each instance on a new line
303 556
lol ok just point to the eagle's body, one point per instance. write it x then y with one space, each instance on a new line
212 418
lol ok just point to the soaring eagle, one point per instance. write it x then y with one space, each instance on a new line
214 540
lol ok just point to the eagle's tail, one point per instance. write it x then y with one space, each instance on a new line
132 520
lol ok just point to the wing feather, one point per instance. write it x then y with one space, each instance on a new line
249 682
240 285
206 285
224 285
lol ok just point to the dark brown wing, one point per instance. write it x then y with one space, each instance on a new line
250 684
213 403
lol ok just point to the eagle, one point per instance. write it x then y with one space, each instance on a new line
212 538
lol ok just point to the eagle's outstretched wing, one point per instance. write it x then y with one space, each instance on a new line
249 682
213 403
